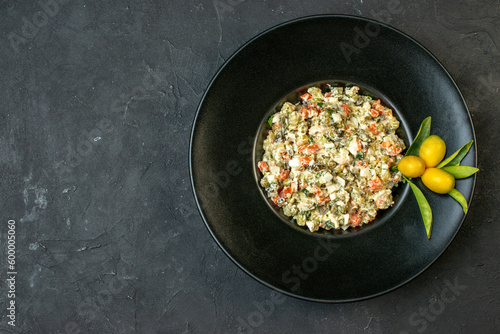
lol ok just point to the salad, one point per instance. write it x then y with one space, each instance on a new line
327 159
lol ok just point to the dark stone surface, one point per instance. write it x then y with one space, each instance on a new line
97 103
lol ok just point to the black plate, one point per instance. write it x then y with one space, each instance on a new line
330 267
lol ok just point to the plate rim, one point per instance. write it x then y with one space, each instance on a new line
202 100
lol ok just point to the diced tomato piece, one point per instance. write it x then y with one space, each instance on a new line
276 125
361 163
374 112
386 112
286 157
303 185
317 190
345 108
391 149
375 184
385 145
373 129
305 161
305 112
360 145
286 192
394 150
275 200
313 111
319 195
354 218
263 166
313 148
323 199
348 134
377 106
283 174
308 149
306 97
328 94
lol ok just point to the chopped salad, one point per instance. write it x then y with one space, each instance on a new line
327 159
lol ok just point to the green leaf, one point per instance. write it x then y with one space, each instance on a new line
270 121
455 158
425 208
459 198
461 172
423 133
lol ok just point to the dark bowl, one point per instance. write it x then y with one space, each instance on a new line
293 97
225 145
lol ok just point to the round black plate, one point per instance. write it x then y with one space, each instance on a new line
325 267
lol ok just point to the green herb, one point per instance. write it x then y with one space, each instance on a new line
270 121
459 198
461 172
329 224
360 156
305 191
423 133
456 158
425 208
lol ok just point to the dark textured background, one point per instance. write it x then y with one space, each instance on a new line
96 107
